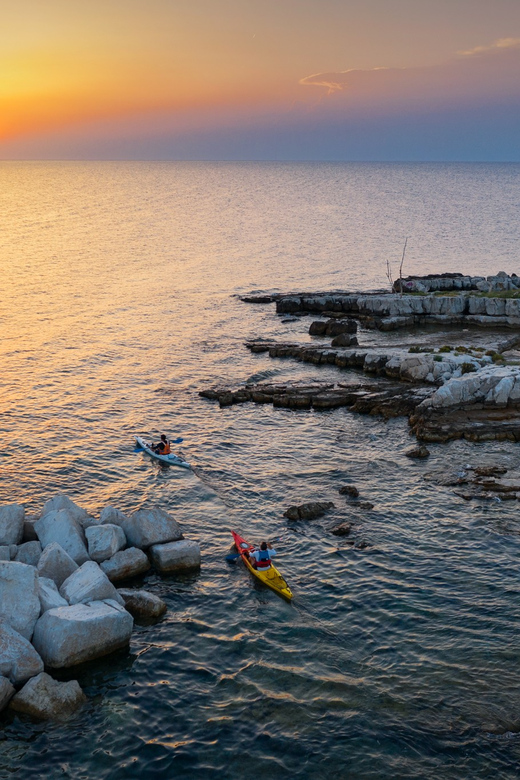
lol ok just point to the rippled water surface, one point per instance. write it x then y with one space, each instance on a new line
118 304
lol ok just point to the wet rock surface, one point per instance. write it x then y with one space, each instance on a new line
45 698
481 482
142 604
309 511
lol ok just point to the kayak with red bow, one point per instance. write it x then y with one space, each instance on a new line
270 577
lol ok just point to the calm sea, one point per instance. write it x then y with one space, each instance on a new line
118 304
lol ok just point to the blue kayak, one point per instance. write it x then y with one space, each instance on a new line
171 459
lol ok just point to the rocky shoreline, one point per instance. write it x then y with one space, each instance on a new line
59 606
447 391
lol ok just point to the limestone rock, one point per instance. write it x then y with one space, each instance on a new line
309 511
125 564
19 600
67 636
104 541
142 604
29 553
61 527
56 564
11 523
7 691
46 698
88 583
151 526
5 552
49 595
176 556
112 515
18 658
60 502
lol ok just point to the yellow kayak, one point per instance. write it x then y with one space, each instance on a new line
270 577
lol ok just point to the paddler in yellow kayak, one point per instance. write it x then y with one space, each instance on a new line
260 559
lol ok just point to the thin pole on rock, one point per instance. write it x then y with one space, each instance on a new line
401 267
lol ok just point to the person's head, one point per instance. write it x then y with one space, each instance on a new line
163 437
263 546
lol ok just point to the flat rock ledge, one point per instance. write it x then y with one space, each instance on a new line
438 300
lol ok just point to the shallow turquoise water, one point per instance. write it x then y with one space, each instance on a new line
118 305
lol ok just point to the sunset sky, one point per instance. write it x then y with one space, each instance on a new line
260 79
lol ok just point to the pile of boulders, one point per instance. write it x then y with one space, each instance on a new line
58 603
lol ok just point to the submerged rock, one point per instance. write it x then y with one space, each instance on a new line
309 511
67 636
142 604
341 530
46 698
18 659
418 452
349 490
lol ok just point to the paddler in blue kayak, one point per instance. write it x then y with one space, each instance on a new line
162 447
261 559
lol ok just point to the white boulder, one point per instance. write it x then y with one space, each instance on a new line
104 541
60 502
5 552
19 600
11 523
28 553
61 527
49 595
71 635
112 515
18 658
89 583
56 564
176 556
125 564
43 697
7 691
151 526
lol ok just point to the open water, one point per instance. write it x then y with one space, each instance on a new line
118 304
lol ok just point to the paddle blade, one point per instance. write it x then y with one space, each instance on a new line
177 441
138 448
232 557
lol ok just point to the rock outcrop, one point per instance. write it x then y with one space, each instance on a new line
104 541
309 511
150 526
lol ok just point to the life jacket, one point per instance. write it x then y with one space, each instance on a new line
166 448
264 560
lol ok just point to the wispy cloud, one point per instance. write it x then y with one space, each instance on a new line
491 71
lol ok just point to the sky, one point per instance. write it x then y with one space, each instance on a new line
374 80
